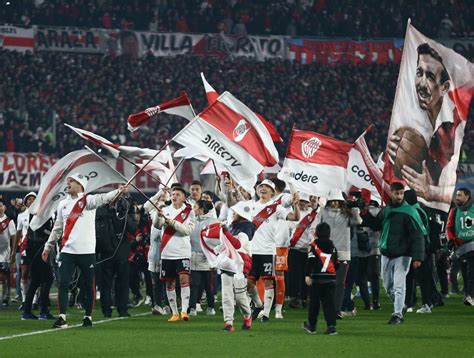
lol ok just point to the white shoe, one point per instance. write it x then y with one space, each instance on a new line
409 309
198 307
148 300
278 315
157 310
166 310
211 312
424 309
469 301
260 315
192 312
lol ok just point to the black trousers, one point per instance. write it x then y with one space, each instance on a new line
135 271
296 266
115 278
442 268
67 266
467 270
200 281
322 293
159 295
41 274
424 275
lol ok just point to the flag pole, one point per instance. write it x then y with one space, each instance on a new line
115 170
147 173
174 171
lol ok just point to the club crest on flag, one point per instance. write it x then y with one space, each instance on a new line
81 204
269 210
310 146
241 130
183 215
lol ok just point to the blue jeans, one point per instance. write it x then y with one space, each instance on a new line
394 272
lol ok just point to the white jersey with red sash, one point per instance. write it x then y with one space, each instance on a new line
265 217
175 245
23 222
300 233
75 223
7 230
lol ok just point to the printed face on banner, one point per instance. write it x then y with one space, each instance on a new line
428 119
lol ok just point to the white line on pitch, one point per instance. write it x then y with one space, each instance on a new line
73 326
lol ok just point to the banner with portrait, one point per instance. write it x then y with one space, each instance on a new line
434 91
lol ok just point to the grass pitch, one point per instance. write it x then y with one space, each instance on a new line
447 332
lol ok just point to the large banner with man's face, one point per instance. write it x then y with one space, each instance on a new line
432 100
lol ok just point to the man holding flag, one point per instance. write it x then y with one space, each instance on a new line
75 226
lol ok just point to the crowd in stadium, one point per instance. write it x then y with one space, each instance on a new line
356 18
98 93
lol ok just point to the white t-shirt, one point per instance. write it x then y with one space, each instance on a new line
5 236
263 242
23 222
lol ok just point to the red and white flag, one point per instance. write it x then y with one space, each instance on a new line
219 251
17 39
231 134
53 183
180 106
209 169
160 171
212 96
116 149
314 163
434 91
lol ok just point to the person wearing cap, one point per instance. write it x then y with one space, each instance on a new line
20 244
401 244
176 222
234 285
266 212
340 218
301 234
75 226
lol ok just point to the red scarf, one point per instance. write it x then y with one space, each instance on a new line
302 226
169 231
265 213
76 211
4 224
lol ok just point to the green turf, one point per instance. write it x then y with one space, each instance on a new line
447 332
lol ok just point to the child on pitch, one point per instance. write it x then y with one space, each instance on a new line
321 277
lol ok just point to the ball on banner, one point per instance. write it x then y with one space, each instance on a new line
412 150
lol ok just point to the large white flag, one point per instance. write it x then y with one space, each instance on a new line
53 184
231 134
116 150
434 90
315 163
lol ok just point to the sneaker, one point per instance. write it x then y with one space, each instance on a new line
46 316
331 331
469 301
424 309
228 328
138 301
349 313
395 320
256 312
210 312
198 307
192 312
60 323
166 310
309 328
5 303
184 316
338 315
260 315
264 319
148 300
409 309
26 316
174 318
16 299
278 315
247 323
157 310
86 322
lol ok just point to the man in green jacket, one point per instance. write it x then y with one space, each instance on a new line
401 243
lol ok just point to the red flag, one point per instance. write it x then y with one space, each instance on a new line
212 97
180 106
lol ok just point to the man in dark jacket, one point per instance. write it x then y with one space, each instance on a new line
321 269
113 222
401 242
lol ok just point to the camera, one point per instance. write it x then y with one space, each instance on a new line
359 203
